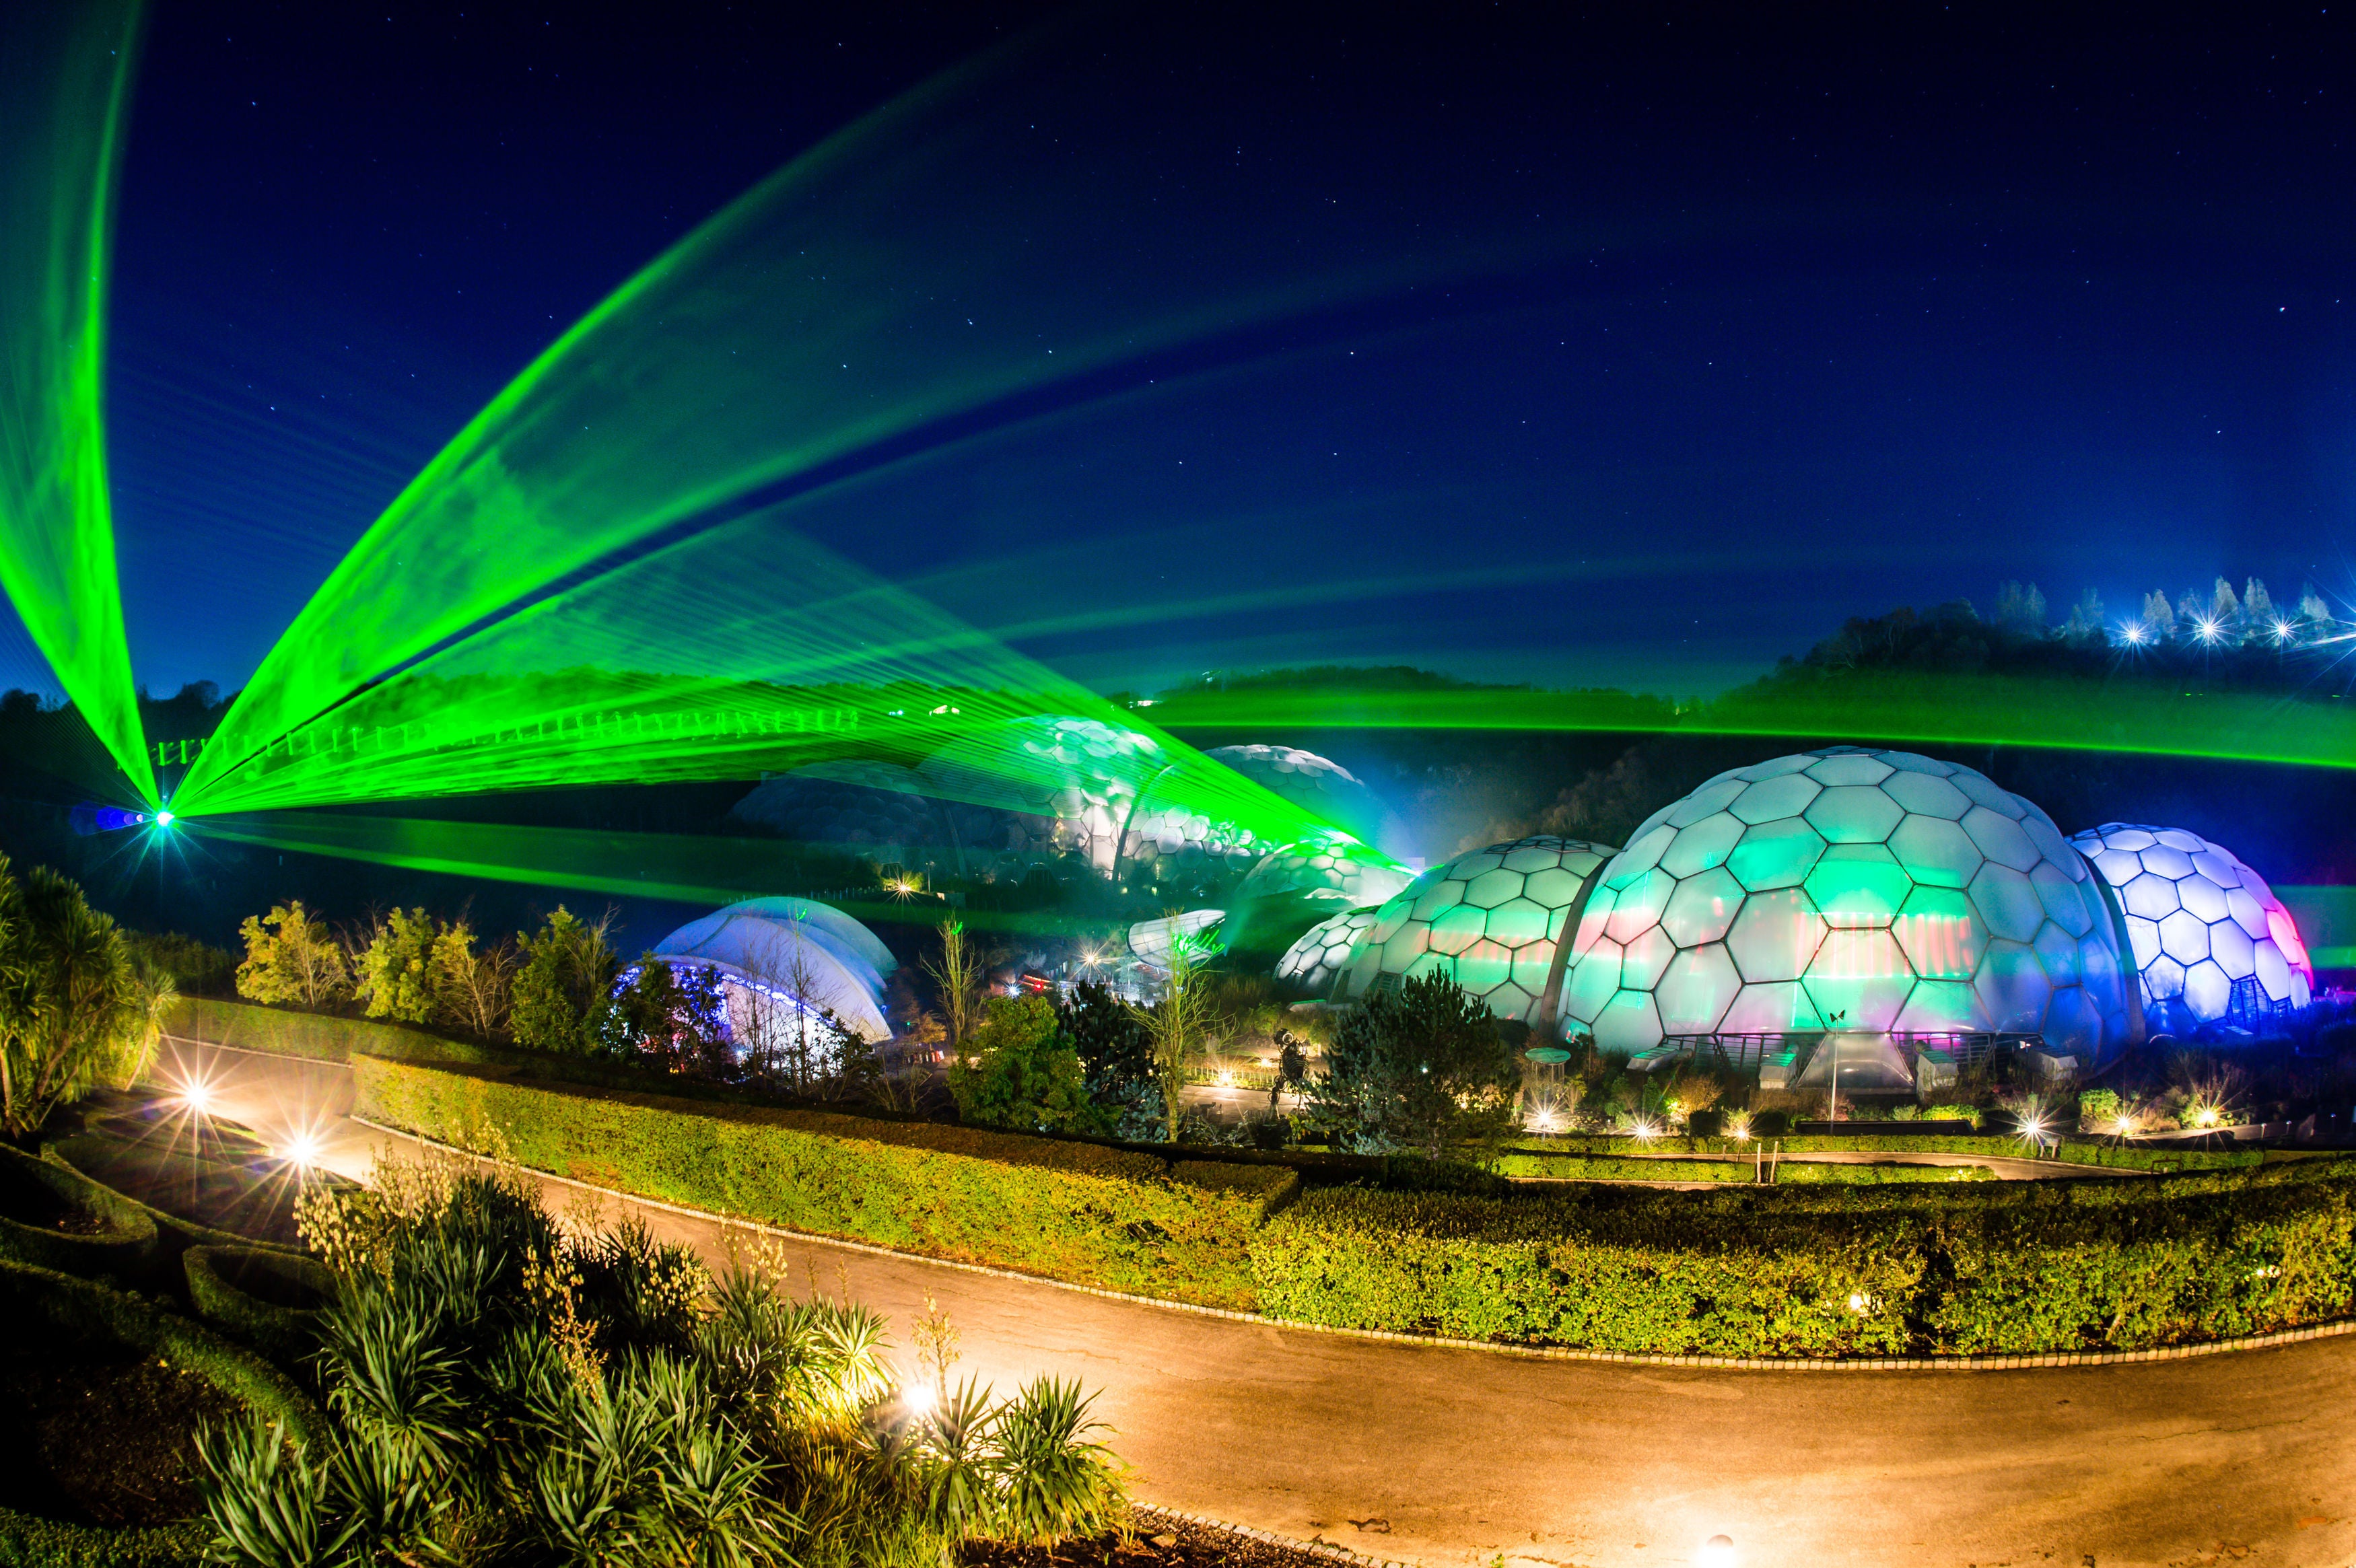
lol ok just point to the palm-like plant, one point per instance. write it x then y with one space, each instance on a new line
500 1390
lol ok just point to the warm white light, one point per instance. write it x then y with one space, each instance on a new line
1858 1301
195 1097
1646 1128
2206 1117
300 1150
1717 1551
1738 1127
916 1399
2032 1129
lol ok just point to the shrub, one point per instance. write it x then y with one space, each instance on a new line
561 982
1116 1052
1423 1068
1020 1071
194 967
291 957
1120 1218
395 969
74 1012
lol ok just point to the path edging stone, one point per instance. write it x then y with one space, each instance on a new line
2332 1329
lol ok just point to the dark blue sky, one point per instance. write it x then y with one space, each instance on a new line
1783 319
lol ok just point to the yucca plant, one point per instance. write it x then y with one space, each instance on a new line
503 1391
1053 1480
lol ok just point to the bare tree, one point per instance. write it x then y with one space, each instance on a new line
957 973
1178 1022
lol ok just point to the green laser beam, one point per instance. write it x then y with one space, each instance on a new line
2122 715
65 76
678 868
933 260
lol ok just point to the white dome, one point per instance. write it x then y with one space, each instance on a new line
1492 920
1855 890
772 943
1315 961
2200 922
1329 866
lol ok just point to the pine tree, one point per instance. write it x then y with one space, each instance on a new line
2033 611
2259 605
2158 616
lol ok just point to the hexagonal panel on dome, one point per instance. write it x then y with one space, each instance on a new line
1316 961
2199 920
1883 887
1493 918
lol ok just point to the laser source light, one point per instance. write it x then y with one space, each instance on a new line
165 819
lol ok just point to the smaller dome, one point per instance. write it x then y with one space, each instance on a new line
1319 786
795 947
2212 941
1316 961
1293 887
1493 920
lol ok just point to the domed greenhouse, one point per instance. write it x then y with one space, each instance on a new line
1852 891
1493 920
2209 936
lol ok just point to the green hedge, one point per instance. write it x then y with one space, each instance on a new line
2001 1267
220 1284
319 1036
27 1541
1634 1167
1091 1213
2070 1151
29 1186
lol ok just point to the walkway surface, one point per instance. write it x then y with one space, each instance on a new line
1456 1456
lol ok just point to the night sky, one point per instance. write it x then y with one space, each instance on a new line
1737 328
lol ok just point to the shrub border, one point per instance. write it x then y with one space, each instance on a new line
2332 1329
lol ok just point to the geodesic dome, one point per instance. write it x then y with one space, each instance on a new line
870 808
1316 961
790 950
2200 921
1317 785
1492 920
1302 883
1849 889
1077 780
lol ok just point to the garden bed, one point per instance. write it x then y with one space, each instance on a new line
101 1394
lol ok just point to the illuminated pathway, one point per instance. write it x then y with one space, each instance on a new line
2246 1457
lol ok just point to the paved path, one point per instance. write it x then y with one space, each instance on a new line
1459 1457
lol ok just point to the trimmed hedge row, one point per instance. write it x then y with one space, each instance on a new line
32 1191
1090 1213
1639 1168
27 1541
85 1313
61 1309
2001 1268
320 1036
2089 1151
222 1286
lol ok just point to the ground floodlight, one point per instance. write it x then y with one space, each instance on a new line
1717 1551
917 1399
301 1152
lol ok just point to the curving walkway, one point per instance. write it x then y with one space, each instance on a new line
1448 1455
